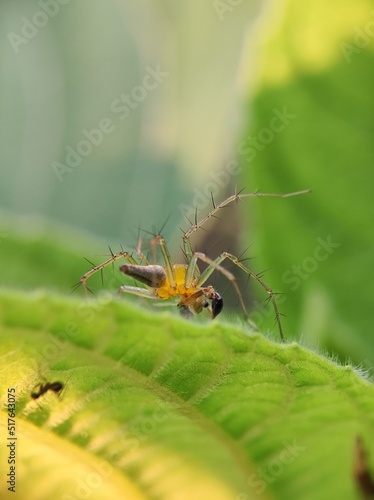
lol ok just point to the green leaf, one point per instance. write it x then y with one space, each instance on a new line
326 145
158 407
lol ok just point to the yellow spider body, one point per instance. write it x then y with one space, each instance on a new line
166 291
186 281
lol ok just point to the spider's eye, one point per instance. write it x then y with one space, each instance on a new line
217 304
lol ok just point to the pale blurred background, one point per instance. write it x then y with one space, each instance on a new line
78 70
181 99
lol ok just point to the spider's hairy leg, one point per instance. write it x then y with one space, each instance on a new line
170 273
192 272
140 292
115 256
143 260
187 248
233 198
216 265
265 286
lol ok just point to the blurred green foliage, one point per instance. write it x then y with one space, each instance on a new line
275 96
170 140
322 75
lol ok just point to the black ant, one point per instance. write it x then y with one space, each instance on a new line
56 387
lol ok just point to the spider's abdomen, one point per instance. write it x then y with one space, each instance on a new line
153 276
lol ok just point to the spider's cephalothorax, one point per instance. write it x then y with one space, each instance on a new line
192 298
186 281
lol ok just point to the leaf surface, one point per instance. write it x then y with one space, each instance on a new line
158 407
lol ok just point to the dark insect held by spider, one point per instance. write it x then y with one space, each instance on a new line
185 281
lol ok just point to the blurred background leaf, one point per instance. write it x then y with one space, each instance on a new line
318 64
88 63
183 100
225 73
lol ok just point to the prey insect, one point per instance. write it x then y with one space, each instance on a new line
185 281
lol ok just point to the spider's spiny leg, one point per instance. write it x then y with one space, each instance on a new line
143 260
95 269
269 291
235 197
170 273
215 265
157 239
192 271
140 292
